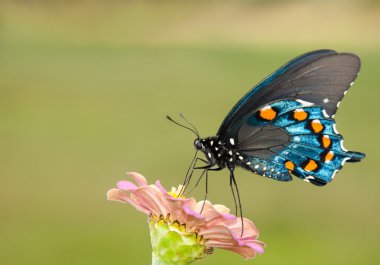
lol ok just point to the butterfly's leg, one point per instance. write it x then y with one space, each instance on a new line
190 169
233 184
189 172
205 170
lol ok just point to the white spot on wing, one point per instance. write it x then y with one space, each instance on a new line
337 105
334 128
248 163
351 83
256 166
230 152
342 147
344 161
345 92
325 113
326 100
333 175
266 108
212 143
297 138
305 103
209 155
232 141
240 157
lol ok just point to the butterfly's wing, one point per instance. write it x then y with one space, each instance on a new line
284 124
321 77
291 136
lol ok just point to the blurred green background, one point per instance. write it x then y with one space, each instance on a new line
84 90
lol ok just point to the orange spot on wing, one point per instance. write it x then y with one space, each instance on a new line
299 114
268 113
329 156
326 142
310 165
289 165
316 126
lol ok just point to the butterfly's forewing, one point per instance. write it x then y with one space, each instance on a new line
320 77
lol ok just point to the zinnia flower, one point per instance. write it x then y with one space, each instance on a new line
183 230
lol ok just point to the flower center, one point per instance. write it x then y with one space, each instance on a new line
176 193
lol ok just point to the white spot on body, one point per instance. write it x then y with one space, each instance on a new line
232 141
326 100
305 103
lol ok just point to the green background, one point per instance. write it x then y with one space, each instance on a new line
84 90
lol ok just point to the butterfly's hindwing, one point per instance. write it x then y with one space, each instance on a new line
293 136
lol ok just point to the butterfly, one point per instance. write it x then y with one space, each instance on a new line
285 125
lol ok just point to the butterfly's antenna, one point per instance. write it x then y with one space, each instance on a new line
190 129
183 117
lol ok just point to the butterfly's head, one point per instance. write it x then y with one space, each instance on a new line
198 145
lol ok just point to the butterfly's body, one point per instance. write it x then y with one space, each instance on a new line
284 126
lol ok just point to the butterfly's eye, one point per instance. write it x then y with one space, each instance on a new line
198 145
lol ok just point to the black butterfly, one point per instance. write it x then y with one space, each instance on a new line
284 126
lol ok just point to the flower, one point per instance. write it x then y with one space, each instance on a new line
183 230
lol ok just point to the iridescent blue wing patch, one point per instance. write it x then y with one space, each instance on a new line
292 137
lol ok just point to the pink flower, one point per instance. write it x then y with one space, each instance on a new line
214 226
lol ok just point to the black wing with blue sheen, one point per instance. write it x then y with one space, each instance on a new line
320 77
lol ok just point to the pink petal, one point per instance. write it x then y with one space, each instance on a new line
140 179
121 196
151 198
257 246
161 188
126 185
